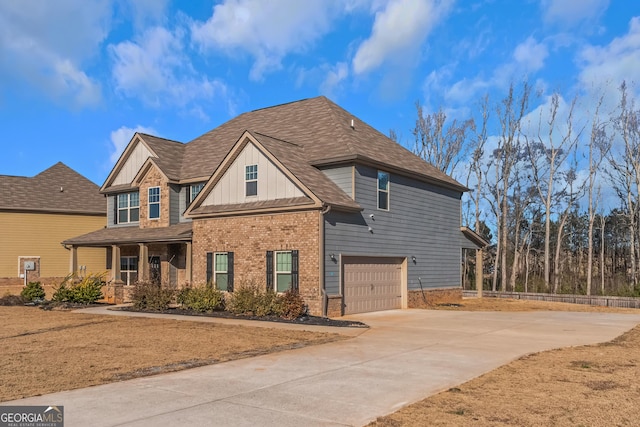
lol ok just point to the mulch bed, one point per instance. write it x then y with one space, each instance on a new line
304 320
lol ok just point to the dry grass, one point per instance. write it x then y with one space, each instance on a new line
49 351
594 385
505 304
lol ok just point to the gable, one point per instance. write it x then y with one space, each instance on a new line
273 184
132 164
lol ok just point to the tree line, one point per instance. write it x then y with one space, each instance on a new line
554 188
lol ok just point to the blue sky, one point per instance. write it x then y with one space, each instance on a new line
77 78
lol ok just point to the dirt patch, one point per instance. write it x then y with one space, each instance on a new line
505 304
48 351
594 385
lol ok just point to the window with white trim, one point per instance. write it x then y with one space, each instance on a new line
282 270
154 202
383 191
129 269
251 180
128 207
194 190
220 270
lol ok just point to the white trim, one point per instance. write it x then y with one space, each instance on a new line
158 202
387 191
24 256
128 208
215 271
275 269
247 180
137 270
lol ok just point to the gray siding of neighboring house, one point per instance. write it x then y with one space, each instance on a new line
182 203
174 204
342 176
423 221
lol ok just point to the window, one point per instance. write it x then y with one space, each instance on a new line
282 270
154 202
194 190
251 180
128 208
220 270
383 191
129 269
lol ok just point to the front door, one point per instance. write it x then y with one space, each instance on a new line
154 269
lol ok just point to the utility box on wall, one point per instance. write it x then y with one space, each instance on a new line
29 265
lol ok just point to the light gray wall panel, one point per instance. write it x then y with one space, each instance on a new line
423 221
174 203
342 176
182 203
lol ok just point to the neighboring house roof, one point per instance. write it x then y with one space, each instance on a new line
315 131
58 189
134 234
472 240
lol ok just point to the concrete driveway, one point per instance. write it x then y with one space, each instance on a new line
405 356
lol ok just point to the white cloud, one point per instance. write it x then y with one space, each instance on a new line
46 43
607 66
334 78
266 30
569 13
121 137
156 69
530 55
398 32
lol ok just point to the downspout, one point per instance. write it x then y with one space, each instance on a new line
325 298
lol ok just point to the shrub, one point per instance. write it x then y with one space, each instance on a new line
9 299
204 298
33 291
84 291
152 297
292 305
250 299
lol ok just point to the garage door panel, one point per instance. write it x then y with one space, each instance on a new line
372 284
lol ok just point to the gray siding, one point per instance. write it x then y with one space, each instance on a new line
182 203
174 204
111 203
423 221
342 176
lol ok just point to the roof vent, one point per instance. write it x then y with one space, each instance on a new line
353 126
61 189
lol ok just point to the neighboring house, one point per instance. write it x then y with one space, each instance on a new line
36 215
301 195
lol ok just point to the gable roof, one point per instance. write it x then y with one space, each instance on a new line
305 135
58 189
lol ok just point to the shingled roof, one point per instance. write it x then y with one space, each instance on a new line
312 133
58 189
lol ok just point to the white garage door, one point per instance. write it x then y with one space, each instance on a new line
372 284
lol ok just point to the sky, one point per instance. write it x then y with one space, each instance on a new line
78 78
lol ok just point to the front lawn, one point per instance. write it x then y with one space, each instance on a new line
48 351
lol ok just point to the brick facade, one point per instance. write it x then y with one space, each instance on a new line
250 237
154 178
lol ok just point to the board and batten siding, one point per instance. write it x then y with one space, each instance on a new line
272 183
40 235
133 164
423 221
342 176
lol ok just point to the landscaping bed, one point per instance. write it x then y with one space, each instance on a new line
303 320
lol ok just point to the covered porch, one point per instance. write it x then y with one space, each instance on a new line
158 255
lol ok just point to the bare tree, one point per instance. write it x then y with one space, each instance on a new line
442 145
547 157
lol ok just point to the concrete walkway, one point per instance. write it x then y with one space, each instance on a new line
405 356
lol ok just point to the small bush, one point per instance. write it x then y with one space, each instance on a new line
152 296
292 305
33 291
202 298
9 300
251 299
84 291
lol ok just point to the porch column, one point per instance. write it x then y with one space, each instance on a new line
115 264
479 272
143 263
73 260
188 263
